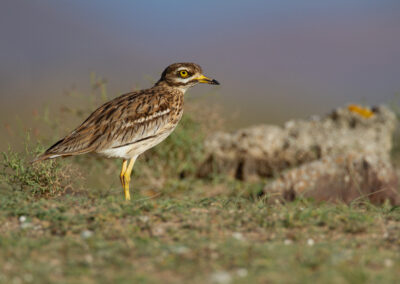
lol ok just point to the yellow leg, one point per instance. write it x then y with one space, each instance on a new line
121 175
126 176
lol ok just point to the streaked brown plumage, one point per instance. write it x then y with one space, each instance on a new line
128 125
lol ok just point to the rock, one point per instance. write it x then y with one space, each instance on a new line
344 177
221 277
266 150
86 234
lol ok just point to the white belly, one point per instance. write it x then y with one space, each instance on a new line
135 149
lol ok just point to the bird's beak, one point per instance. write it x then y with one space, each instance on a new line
204 79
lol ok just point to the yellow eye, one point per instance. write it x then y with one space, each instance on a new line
183 73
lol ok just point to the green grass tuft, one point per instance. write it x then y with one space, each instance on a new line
47 179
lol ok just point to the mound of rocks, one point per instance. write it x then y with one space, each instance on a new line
338 151
345 177
265 150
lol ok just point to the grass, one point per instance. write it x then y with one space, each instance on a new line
41 180
56 227
196 239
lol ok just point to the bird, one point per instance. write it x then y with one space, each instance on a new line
132 123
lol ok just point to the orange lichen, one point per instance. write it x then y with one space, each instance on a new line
362 111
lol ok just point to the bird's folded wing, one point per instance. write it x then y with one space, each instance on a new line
124 120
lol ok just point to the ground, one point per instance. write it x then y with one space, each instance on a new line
189 235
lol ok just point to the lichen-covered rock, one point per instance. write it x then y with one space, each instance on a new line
265 150
346 177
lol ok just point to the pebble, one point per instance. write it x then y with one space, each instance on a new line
86 234
388 262
180 249
221 277
288 242
242 272
144 219
26 225
238 236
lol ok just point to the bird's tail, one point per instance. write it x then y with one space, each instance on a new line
55 151
45 156
49 154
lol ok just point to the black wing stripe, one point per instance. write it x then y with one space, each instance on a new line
137 141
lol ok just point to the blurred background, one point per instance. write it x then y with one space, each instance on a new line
275 60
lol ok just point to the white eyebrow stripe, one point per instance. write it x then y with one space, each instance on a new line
183 80
182 68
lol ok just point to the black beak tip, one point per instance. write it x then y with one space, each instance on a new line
214 82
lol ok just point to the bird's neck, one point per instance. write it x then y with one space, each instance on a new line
178 88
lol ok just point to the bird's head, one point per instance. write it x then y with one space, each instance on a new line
184 76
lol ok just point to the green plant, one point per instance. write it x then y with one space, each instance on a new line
40 180
181 152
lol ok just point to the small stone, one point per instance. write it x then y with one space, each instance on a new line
144 219
310 242
158 231
26 225
388 262
221 277
238 236
89 259
242 272
212 246
180 249
22 218
86 234
37 227
288 242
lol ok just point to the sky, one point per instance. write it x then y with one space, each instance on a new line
275 60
